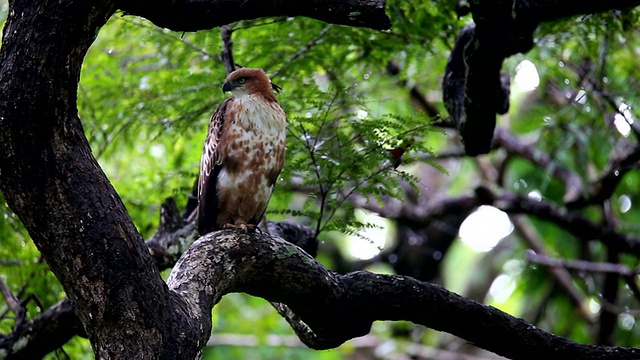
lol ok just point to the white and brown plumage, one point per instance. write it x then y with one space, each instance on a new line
243 154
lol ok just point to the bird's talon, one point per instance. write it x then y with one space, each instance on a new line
245 228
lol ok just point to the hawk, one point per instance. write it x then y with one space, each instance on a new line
243 154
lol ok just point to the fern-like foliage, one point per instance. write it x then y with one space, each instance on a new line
337 151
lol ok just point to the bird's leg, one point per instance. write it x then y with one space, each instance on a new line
245 228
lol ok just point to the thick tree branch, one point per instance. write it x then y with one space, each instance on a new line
174 235
252 263
51 181
193 15
549 10
473 89
339 307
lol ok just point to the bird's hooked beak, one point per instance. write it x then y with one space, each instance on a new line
228 86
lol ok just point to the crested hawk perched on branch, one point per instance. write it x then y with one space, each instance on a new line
243 154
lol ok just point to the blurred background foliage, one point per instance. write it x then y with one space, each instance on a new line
354 98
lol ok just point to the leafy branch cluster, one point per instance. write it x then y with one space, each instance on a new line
336 149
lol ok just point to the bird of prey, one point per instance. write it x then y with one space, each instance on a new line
243 154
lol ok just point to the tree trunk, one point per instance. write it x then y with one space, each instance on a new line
51 180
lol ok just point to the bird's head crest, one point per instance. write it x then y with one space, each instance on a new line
247 81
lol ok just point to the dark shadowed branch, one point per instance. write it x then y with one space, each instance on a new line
48 331
174 235
324 308
573 222
192 15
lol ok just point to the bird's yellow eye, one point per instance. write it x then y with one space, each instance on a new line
241 81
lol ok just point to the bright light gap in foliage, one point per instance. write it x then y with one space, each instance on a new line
527 78
484 228
623 120
370 241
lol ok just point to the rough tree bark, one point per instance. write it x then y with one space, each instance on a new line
76 219
53 183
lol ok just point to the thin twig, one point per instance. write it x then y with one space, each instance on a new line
6 262
254 23
415 93
581 265
310 45
109 139
173 37
316 169
560 274
324 187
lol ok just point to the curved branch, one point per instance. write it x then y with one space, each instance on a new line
193 15
174 235
580 265
337 308
326 309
